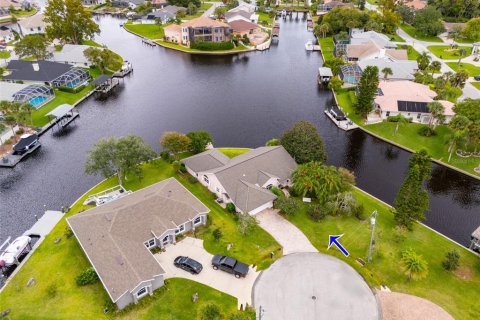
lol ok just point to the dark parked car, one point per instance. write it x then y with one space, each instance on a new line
477 77
229 265
188 264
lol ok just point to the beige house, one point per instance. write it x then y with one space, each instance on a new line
117 236
408 98
372 50
173 33
204 29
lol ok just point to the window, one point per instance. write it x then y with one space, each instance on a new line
181 228
142 292
165 240
418 116
150 243
205 178
197 220
388 113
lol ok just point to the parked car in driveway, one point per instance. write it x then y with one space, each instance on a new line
229 265
188 264
477 78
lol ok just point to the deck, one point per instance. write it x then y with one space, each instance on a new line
11 160
346 125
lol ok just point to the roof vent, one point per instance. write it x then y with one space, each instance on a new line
35 66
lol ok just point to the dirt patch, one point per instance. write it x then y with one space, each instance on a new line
464 273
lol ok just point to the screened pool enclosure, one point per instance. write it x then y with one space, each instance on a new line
36 95
71 79
350 73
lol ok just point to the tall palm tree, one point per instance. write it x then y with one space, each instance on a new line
459 125
387 72
413 265
306 179
324 29
437 111
400 121
435 66
423 60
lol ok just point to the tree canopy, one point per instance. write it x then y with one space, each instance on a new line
367 90
175 142
428 21
118 156
199 140
32 45
304 143
68 21
103 58
413 265
185 3
472 29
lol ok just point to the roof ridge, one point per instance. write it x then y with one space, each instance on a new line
226 166
123 256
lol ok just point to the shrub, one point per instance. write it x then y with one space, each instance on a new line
426 131
88 276
276 191
316 212
358 211
109 306
286 205
182 168
72 90
52 291
451 261
155 250
399 234
273 142
211 46
165 155
230 207
68 233
395 119
20 131
210 312
217 234
192 179
8 141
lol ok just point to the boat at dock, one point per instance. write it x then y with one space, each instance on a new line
475 240
28 143
339 118
276 32
309 46
14 251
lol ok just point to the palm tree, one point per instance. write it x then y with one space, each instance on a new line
387 72
413 265
15 113
437 113
423 60
459 125
462 53
324 29
401 120
306 179
435 66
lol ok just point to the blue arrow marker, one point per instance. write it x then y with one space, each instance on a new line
334 240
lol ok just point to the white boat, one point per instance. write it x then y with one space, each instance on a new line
309 45
14 251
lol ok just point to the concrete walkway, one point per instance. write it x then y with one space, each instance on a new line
289 236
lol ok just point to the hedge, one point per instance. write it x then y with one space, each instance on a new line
211 46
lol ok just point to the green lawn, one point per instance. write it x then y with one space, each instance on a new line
55 266
4 54
178 47
262 16
204 7
24 13
408 136
413 33
476 84
233 152
447 53
456 295
411 52
150 31
394 37
470 68
91 43
327 46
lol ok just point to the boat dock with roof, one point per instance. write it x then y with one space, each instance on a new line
28 144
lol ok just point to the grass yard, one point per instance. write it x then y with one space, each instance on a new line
24 13
470 68
327 46
408 136
204 7
233 152
55 266
262 16
178 47
413 33
476 84
411 52
394 37
150 31
5 54
457 292
447 53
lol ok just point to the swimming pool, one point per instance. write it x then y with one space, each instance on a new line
37 101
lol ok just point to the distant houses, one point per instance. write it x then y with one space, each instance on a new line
328 5
72 54
31 25
244 180
241 15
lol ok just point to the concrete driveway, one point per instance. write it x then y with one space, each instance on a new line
220 280
313 286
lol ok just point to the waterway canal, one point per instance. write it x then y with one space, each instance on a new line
243 101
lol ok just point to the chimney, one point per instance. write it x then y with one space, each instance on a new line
35 66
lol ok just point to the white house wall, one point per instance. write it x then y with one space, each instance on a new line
261 208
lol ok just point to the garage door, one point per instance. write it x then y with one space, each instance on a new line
261 208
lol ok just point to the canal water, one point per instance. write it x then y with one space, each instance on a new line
243 100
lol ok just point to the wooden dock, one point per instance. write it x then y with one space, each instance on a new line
149 42
276 32
346 125
11 160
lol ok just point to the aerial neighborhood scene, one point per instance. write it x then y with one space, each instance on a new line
240 159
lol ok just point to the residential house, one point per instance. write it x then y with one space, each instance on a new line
15 4
244 7
454 27
358 36
327 6
173 9
415 4
6 34
372 50
408 98
46 72
173 33
160 15
245 179
117 237
72 54
159 3
204 29
31 25
241 15
251 30
93 2
401 69
132 4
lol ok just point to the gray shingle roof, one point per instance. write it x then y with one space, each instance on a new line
47 70
208 160
113 234
402 69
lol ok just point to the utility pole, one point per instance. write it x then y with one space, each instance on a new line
261 311
372 238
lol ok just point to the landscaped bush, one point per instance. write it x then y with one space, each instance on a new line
72 90
287 206
451 261
88 276
426 131
395 119
68 233
211 46
20 131
211 312
217 234
192 179
155 250
316 212
165 155
230 207
8 141
276 191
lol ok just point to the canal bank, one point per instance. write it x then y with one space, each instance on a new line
242 100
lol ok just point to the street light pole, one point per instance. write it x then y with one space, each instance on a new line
372 222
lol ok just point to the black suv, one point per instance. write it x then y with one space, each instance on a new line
229 265
188 264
